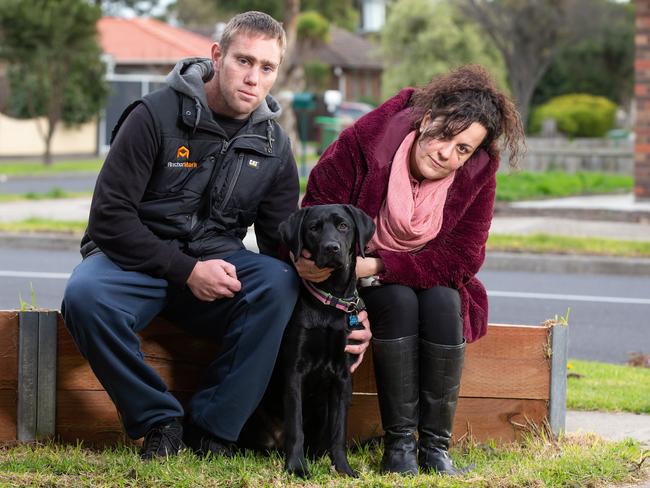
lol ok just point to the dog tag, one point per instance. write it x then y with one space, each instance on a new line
353 322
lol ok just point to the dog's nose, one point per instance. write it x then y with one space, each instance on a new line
332 248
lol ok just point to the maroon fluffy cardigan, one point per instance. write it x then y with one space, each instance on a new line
355 169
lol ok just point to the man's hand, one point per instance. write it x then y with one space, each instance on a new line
361 336
308 270
213 279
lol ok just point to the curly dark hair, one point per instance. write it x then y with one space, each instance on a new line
466 95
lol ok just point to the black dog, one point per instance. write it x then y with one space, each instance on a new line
316 370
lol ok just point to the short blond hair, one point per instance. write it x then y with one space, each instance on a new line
253 22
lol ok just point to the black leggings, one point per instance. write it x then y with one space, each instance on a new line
398 311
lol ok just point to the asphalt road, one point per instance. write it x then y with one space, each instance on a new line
72 182
609 315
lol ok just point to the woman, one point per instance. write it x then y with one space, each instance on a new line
423 166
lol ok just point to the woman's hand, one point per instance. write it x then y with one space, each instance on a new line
308 270
368 267
362 336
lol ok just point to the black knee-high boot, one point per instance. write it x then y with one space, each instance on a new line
396 371
440 371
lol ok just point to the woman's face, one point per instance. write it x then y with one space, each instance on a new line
433 159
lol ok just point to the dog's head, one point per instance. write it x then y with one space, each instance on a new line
333 234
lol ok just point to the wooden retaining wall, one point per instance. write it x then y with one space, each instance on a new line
514 376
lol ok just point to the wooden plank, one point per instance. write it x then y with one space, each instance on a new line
91 417
503 378
178 357
8 408
163 340
511 361
512 342
8 350
499 419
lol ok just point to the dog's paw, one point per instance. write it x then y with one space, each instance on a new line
346 470
297 467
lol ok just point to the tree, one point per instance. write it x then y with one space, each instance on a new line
54 62
529 35
423 38
605 58
196 12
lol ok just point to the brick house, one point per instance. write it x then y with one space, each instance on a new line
642 96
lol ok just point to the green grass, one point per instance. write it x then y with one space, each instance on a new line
610 387
43 225
522 185
37 168
545 243
54 193
525 185
538 461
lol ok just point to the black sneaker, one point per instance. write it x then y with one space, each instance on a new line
163 440
204 443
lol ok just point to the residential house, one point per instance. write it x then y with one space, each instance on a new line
138 53
355 63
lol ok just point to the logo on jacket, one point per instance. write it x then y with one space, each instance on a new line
253 164
182 156
183 152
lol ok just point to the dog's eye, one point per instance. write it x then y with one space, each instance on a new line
313 227
343 226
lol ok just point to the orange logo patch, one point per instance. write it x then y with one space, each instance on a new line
183 152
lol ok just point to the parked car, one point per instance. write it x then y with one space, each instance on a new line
344 115
351 111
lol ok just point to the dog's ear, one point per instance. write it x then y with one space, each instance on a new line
291 231
365 227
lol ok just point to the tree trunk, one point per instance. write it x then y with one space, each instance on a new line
286 78
47 139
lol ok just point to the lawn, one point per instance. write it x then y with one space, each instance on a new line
54 194
537 461
45 226
37 168
527 185
556 244
610 387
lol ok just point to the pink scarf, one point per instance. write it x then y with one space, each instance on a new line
411 214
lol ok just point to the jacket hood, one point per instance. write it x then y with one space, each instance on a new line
189 76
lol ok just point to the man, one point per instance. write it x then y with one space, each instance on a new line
190 168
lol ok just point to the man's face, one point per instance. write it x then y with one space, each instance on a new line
245 74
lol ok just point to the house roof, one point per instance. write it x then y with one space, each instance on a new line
149 41
345 49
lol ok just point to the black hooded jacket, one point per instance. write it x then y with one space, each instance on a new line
174 188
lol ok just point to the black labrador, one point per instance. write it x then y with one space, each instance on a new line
315 368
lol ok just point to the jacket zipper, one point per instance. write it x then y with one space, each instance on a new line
238 168
224 148
233 181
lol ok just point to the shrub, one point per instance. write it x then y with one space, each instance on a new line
576 115
313 27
